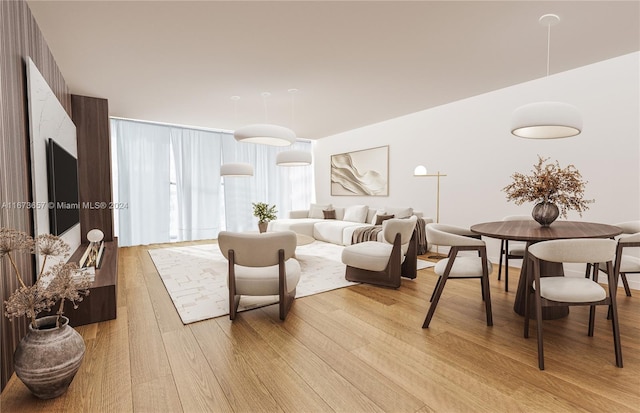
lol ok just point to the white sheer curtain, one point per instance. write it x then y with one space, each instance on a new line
143 182
239 190
287 188
203 203
197 170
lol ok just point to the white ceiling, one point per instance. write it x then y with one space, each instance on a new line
354 62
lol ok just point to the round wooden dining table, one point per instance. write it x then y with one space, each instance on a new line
531 232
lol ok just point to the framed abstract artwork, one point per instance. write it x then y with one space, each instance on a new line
364 172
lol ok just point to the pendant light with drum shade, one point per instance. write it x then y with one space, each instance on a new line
238 168
293 157
264 133
546 120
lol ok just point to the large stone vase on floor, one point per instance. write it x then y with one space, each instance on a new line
47 358
545 213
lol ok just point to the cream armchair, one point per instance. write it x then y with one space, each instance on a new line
380 263
261 264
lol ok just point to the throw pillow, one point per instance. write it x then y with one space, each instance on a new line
329 213
382 218
356 213
378 212
399 212
315 210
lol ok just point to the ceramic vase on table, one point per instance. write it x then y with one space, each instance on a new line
545 213
47 358
262 226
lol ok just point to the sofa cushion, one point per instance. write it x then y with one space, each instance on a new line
370 255
333 231
315 210
302 226
381 218
264 280
356 213
399 212
329 213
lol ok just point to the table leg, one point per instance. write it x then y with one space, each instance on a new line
547 269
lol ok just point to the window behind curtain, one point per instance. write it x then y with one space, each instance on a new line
182 196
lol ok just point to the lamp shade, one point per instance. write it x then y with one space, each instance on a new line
546 120
420 170
293 158
265 134
236 169
95 235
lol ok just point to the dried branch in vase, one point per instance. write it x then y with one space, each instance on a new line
63 281
550 183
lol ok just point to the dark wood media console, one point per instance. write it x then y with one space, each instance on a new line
101 303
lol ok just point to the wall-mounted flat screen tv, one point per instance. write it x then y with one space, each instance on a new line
64 206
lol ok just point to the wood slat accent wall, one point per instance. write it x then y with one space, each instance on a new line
91 117
19 37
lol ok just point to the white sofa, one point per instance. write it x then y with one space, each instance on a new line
312 222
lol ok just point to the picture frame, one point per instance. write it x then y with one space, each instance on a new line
363 172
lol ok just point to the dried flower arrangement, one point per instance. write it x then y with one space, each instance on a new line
550 183
62 281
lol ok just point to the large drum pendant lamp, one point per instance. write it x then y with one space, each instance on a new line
546 120
265 134
293 158
236 169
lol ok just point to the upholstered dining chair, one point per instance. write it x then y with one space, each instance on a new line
459 266
380 263
625 263
553 290
511 250
261 264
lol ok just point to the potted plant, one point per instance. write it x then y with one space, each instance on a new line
555 191
49 355
264 213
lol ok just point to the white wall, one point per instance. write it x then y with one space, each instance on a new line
470 141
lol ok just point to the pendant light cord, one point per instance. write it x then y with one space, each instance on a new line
548 46
293 106
264 101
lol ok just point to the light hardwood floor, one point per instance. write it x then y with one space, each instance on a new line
360 348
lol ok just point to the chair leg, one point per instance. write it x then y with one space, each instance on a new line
506 273
435 288
592 318
234 299
437 292
487 301
500 262
539 327
612 278
625 283
587 271
527 307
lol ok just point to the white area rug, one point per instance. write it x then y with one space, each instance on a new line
196 277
